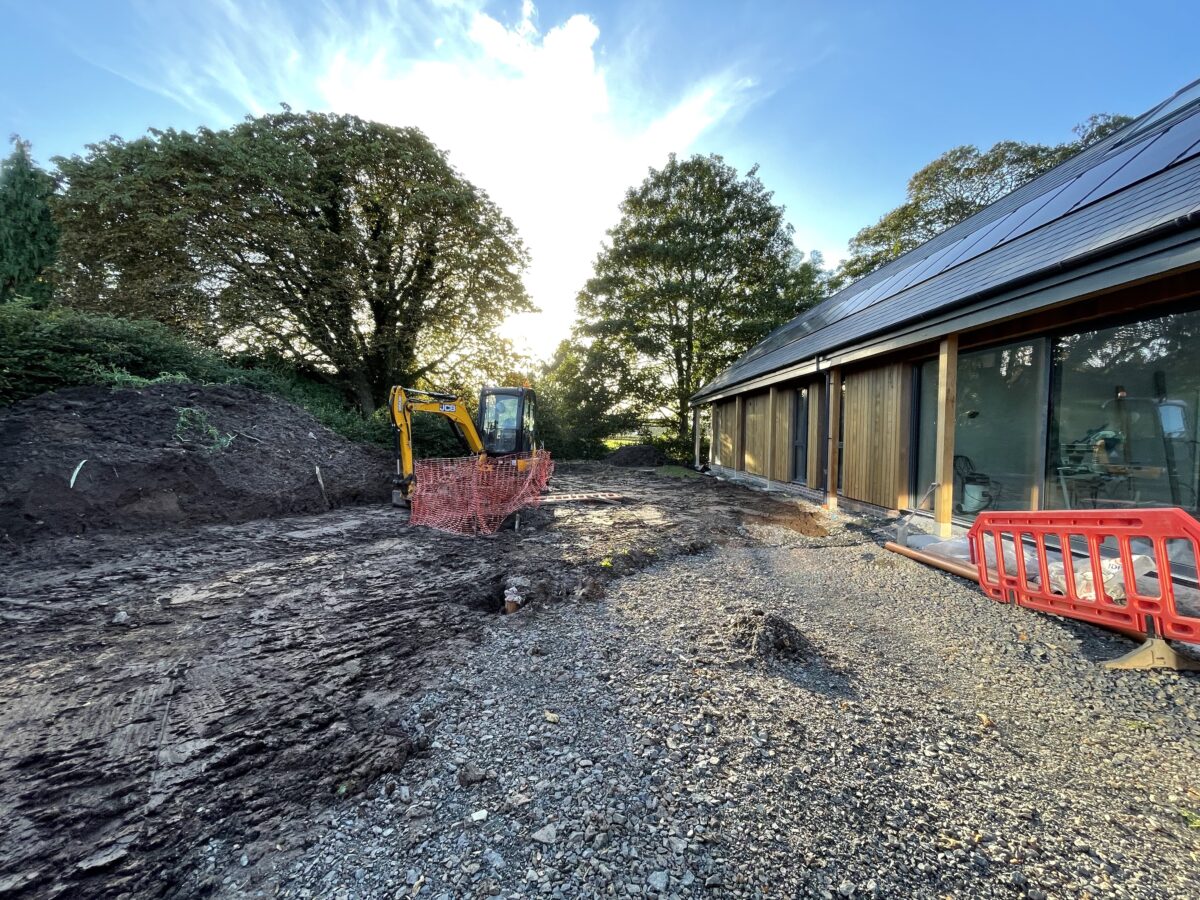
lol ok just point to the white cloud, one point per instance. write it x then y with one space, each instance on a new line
529 115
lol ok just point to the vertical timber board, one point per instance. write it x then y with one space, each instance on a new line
814 435
781 446
947 411
723 432
834 411
772 401
739 433
875 456
757 421
714 448
696 437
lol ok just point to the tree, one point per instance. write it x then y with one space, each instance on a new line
700 267
955 186
28 235
582 399
344 244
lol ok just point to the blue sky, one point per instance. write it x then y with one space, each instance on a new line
555 109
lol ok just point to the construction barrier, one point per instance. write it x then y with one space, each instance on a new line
1126 569
475 494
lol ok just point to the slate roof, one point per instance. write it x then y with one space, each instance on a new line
1135 180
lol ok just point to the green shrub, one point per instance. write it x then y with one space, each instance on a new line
46 349
50 348
193 429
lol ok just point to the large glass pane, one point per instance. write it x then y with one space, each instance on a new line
800 438
1123 425
998 429
927 402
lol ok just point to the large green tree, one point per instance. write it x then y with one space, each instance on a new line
583 398
345 244
700 266
28 235
955 186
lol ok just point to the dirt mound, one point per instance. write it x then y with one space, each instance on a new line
93 458
768 636
637 455
801 521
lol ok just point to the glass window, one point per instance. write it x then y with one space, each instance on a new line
998 428
1124 417
927 404
800 438
500 419
529 435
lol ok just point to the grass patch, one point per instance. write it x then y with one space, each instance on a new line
676 472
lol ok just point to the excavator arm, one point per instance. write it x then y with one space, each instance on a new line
403 402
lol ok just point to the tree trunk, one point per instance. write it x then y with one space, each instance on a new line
364 396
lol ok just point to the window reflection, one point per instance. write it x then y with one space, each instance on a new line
998 428
500 413
1123 427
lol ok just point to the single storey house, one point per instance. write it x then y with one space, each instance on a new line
1042 354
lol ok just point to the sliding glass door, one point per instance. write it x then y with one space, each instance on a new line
1125 415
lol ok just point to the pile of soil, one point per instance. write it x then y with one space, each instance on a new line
769 636
172 455
638 455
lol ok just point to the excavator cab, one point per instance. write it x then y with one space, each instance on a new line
507 420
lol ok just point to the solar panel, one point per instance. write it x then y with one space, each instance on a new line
1073 192
1170 147
1163 111
1122 186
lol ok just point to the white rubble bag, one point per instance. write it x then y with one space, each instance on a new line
1111 571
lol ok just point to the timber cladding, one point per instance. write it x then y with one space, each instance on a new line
875 450
781 434
815 409
724 425
757 439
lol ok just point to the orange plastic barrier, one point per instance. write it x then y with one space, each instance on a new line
1117 569
475 494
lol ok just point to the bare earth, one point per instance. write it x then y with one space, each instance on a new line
713 693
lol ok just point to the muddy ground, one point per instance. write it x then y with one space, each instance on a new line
163 691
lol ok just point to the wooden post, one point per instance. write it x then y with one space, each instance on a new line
739 433
772 434
947 412
696 436
833 404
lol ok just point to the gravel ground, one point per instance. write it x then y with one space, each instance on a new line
778 715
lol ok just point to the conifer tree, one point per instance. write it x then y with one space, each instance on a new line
28 235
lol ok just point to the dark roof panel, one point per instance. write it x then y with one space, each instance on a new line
1136 179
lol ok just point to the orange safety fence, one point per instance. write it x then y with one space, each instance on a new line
1133 570
475 494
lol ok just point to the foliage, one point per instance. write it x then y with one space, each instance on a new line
193 428
675 447
581 401
955 186
46 349
677 472
28 235
336 243
700 267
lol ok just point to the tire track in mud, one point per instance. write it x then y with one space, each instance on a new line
227 683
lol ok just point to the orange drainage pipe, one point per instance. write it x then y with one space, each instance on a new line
962 570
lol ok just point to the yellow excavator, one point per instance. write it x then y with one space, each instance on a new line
507 423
